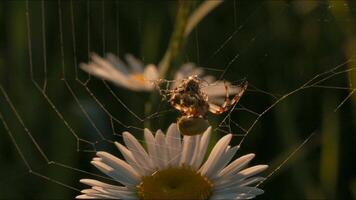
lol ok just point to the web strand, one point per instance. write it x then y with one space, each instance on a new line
228 124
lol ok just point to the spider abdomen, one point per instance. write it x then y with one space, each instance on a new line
192 125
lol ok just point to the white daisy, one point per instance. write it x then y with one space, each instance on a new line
135 76
175 169
215 89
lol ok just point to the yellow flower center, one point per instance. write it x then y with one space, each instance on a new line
138 77
174 184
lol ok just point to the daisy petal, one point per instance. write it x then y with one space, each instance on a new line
203 146
84 196
103 69
115 193
113 174
137 150
218 89
251 171
188 150
196 152
251 181
134 63
236 179
92 182
239 190
119 165
245 196
162 148
97 159
173 141
94 194
216 154
223 196
152 147
118 63
225 159
130 159
150 73
237 165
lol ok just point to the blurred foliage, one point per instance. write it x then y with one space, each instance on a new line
281 45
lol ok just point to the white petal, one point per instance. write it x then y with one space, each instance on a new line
113 173
97 159
217 89
92 182
245 196
162 150
103 69
100 188
196 152
203 146
225 159
119 165
188 150
237 165
151 73
223 196
138 151
152 147
236 179
93 194
84 196
173 140
115 193
251 171
131 159
117 62
239 190
174 144
209 79
185 71
215 156
89 191
135 64
252 180
232 195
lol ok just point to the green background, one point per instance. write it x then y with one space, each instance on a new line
281 45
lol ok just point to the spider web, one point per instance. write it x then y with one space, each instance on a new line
91 113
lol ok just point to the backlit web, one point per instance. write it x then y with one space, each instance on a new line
298 58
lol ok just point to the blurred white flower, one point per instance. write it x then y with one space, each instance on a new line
174 169
215 89
135 76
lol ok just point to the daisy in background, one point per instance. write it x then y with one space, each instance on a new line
215 89
136 76
175 169
133 75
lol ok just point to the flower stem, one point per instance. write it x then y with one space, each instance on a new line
205 8
177 37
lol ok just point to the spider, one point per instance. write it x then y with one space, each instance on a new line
189 98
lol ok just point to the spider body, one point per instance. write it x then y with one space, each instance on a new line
189 98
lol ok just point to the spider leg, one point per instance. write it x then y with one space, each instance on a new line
180 107
227 100
239 95
177 105
215 109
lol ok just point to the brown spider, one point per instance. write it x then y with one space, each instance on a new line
189 98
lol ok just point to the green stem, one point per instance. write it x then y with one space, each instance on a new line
204 9
177 37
